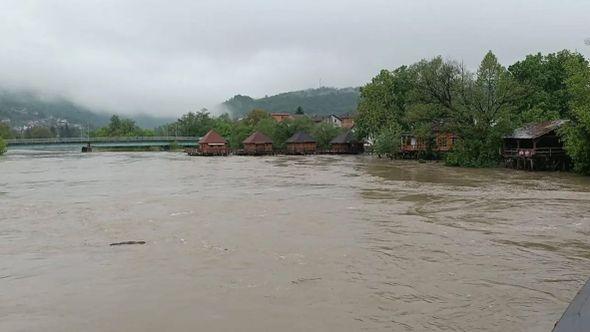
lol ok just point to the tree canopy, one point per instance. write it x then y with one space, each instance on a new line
479 107
119 127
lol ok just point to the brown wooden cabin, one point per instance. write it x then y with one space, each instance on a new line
301 143
535 146
213 144
411 145
346 143
258 144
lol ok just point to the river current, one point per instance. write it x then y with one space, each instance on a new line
306 243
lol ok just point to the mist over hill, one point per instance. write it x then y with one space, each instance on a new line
26 108
321 101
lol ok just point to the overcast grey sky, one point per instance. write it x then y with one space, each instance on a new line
171 56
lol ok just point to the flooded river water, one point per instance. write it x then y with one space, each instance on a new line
316 243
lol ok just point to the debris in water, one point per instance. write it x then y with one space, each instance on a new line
300 280
127 243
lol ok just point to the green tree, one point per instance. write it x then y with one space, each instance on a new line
5 131
384 101
121 127
299 110
543 81
287 128
267 126
38 132
483 115
324 133
387 142
576 134
193 124
239 132
2 146
256 115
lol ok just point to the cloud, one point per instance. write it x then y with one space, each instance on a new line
168 57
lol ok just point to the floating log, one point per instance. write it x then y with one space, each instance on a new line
127 243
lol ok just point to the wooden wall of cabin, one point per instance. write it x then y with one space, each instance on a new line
213 149
253 148
301 148
445 141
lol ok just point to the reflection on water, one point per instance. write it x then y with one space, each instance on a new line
285 243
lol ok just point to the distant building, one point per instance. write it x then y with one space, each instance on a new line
301 143
280 117
258 144
213 144
535 146
347 121
317 119
346 143
333 120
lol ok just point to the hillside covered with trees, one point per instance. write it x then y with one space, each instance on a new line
49 116
322 101
479 107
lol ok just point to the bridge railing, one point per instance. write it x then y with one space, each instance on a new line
86 140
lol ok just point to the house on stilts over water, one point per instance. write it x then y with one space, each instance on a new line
346 143
212 144
536 146
258 144
301 143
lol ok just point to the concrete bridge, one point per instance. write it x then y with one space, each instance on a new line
106 142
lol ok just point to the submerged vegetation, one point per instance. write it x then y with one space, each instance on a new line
481 107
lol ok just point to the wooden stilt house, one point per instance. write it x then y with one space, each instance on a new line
213 144
346 143
411 145
536 146
258 144
301 143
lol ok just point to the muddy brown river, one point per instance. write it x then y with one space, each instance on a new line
316 243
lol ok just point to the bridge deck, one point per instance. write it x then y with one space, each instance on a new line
107 141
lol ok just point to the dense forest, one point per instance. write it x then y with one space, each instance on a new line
322 101
479 107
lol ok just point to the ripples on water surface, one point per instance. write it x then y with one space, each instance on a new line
284 244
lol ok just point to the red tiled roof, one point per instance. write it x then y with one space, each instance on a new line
257 138
212 137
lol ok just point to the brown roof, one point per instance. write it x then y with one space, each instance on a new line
212 137
345 138
257 138
535 130
301 137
